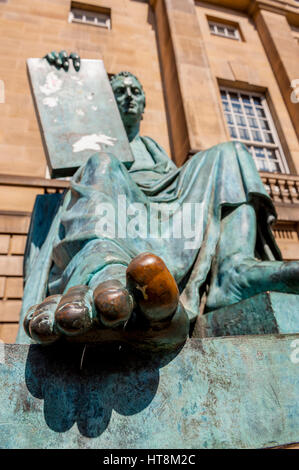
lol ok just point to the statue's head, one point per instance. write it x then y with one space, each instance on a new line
129 96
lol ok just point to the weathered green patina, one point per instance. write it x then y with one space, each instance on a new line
233 392
231 250
77 114
266 313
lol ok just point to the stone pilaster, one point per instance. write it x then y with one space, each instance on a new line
191 91
281 49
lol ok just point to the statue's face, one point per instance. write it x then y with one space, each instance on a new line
130 99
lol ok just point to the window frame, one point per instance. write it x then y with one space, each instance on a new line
106 24
275 146
217 24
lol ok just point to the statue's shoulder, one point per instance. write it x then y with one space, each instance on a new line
159 154
153 147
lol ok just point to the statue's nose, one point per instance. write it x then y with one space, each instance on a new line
129 93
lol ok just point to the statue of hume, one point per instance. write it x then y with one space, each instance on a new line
144 290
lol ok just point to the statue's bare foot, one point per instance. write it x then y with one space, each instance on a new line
70 314
79 314
101 316
239 280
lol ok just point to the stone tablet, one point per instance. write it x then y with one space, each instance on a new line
78 115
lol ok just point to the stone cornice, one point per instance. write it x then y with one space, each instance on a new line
269 5
288 9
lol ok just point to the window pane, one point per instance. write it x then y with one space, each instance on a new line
274 166
252 122
249 110
245 99
257 100
260 112
229 118
271 154
223 94
268 138
237 108
264 124
226 106
220 29
240 120
78 15
256 135
233 132
234 96
231 32
261 165
244 134
259 152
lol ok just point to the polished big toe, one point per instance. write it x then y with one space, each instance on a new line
153 287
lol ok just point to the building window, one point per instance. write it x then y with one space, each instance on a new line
225 30
92 17
249 120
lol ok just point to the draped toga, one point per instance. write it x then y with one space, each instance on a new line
80 250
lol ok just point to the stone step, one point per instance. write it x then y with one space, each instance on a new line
228 392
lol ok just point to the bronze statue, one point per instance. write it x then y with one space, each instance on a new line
143 290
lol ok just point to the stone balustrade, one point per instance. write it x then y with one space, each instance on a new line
282 188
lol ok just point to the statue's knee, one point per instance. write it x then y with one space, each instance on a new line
103 160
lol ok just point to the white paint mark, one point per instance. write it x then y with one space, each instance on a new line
80 112
128 81
52 85
79 82
94 108
90 96
92 142
50 101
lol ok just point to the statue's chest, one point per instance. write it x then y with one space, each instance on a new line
143 159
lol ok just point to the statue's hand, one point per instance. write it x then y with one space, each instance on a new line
62 60
144 314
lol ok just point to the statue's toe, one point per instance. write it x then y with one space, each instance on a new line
39 321
74 313
153 287
114 304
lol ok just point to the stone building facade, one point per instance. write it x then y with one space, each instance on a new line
212 71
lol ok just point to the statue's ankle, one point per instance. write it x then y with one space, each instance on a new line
235 263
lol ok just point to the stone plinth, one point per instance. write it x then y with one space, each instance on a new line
215 393
267 313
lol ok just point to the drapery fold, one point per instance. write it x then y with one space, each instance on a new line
79 246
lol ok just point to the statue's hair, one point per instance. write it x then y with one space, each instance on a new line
124 73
